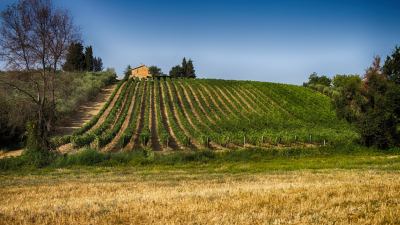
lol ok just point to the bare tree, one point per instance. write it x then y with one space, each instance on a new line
34 39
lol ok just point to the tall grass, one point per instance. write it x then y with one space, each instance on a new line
335 155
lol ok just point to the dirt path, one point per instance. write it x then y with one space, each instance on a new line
195 144
155 142
14 153
107 111
86 111
136 138
69 147
112 145
84 114
173 143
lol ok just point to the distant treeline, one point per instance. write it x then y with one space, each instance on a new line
77 60
185 70
371 102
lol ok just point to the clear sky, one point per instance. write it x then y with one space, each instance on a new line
278 41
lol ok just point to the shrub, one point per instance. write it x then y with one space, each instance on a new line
89 157
38 158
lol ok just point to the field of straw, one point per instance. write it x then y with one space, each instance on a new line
127 197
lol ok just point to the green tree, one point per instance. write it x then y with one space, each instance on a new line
97 64
89 58
314 79
392 66
155 71
35 36
190 72
184 67
127 72
392 100
348 102
176 71
75 59
376 124
341 81
371 105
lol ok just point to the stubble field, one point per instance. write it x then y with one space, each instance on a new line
127 196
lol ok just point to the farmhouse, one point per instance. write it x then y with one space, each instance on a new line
141 72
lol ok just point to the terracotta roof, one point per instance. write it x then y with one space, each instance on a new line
139 67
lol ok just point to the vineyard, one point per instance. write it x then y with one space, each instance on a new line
174 114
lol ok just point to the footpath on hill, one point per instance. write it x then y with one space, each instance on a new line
85 112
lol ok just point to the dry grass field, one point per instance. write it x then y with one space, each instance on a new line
126 196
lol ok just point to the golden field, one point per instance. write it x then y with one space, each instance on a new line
178 197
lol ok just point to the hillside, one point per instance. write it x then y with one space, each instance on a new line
217 114
74 91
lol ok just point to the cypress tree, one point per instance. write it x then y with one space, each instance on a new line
184 67
190 72
75 59
175 71
127 72
392 66
155 71
97 64
89 59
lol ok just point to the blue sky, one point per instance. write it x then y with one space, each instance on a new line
277 41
